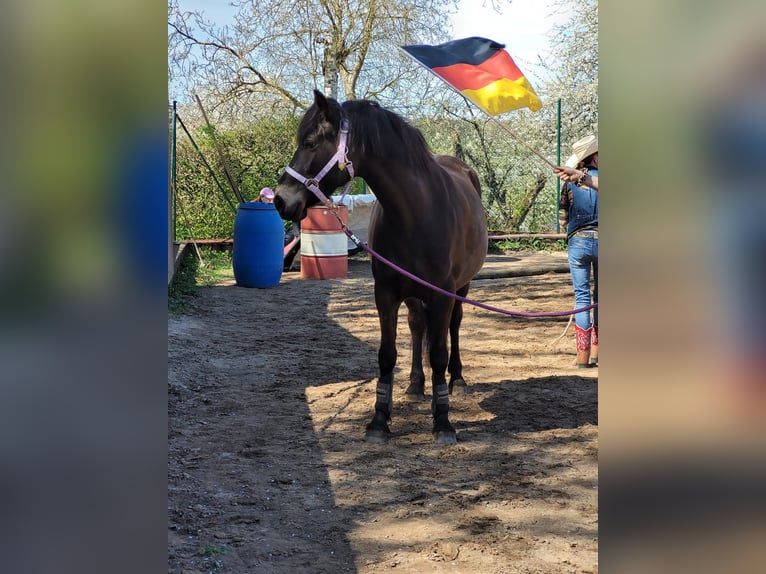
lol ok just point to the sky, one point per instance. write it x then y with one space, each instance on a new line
522 26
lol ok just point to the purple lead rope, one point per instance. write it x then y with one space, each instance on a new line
409 275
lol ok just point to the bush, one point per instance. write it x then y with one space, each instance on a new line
256 156
527 244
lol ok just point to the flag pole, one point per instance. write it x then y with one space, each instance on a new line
494 119
518 139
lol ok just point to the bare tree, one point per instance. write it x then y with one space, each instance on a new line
277 51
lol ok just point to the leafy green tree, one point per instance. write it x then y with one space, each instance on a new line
573 70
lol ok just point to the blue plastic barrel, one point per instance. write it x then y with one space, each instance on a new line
259 240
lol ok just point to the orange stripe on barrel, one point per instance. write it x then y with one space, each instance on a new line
324 247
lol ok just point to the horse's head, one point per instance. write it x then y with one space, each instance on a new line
318 143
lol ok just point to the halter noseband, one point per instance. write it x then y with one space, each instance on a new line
340 158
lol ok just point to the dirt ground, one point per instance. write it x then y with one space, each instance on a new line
269 392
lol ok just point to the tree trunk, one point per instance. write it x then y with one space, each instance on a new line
517 217
330 69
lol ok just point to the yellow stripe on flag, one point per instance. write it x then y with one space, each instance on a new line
504 95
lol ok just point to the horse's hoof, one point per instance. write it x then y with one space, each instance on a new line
377 431
458 387
415 393
445 437
376 436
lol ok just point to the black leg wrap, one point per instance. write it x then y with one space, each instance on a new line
377 429
444 432
440 400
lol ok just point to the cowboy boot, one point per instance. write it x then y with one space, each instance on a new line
582 340
594 345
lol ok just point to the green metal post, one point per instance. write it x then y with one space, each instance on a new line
558 162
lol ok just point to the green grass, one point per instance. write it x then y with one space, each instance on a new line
527 244
217 268
192 275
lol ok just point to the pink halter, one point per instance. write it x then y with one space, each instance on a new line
340 158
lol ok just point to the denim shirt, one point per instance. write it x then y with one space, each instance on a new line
583 208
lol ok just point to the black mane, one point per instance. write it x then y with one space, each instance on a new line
379 132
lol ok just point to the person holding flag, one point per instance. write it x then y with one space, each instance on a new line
578 211
569 174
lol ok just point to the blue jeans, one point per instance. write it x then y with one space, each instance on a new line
583 256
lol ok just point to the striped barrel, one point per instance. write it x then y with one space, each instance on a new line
324 248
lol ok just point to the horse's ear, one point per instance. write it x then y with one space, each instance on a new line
320 101
328 108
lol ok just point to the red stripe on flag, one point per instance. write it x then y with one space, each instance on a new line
470 77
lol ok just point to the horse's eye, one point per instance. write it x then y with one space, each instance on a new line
310 144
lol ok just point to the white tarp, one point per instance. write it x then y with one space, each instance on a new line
359 210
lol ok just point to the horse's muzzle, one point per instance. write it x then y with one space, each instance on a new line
290 211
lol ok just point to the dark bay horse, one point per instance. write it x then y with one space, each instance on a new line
428 219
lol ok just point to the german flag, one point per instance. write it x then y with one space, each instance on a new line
481 70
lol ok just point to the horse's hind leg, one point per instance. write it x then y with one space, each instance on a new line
388 314
417 322
438 317
457 384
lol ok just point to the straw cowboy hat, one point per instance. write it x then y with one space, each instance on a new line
582 148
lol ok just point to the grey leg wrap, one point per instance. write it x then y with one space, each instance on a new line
384 395
440 401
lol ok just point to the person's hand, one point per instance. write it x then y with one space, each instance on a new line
578 177
567 174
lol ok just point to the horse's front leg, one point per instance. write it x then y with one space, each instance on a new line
438 320
388 314
417 322
457 384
